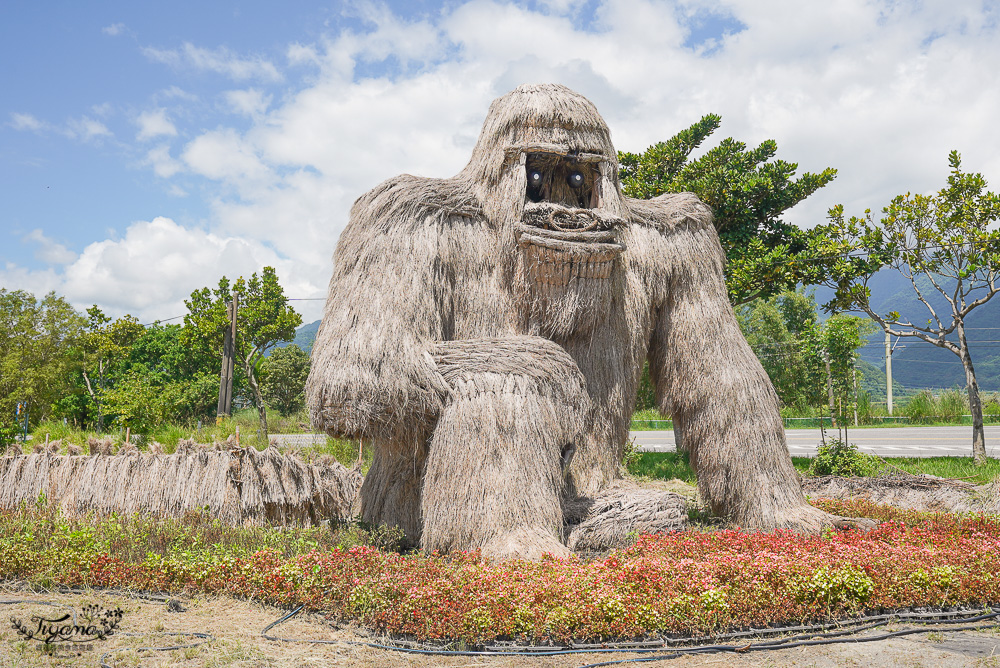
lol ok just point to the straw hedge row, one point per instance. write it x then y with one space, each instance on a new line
239 486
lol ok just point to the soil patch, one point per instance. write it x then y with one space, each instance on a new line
236 625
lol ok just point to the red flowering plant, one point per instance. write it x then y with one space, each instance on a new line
683 583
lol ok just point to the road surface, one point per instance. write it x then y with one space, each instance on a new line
885 441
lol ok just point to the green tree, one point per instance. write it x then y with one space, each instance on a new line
283 379
185 372
748 191
38 354
792 345
264 319
105 343
837 340
140 404
944 244
777 329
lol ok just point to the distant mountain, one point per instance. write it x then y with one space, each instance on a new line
304 337
917 364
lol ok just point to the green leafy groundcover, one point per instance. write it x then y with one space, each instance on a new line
681 583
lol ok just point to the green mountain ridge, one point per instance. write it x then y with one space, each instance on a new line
918 364
915 364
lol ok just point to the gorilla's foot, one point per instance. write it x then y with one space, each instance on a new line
531 543
804 519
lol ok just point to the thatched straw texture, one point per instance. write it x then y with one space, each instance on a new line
608 281
919 492
518 405
239 487
619 514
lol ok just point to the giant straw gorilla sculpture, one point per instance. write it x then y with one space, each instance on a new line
485 334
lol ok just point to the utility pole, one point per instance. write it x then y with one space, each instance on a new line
829 387
888 371
225 406
854 371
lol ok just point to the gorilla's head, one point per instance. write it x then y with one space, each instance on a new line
544 144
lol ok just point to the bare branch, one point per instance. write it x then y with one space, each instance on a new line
923 300
931 336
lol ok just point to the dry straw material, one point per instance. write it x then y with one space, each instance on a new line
239 486
485 335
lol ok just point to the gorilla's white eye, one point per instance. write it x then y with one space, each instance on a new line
534 177
575 180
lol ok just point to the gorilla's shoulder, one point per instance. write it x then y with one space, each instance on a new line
671 211
405 199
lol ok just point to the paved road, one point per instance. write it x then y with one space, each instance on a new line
887 442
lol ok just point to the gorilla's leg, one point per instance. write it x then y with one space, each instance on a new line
494 476
390 493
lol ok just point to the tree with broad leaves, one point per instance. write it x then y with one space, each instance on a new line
105 343
283 379
792 345
38 340
748 191
264 319
944 244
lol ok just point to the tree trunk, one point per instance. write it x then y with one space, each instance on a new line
975 403
258 399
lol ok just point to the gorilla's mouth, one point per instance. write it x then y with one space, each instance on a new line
564 243
573 230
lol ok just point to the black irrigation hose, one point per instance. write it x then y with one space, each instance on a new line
205 637
824 639
803 640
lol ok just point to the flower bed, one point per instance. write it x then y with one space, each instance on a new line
687 583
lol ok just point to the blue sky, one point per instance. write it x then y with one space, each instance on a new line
147 148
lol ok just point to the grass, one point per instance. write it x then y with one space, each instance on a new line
674 465
948 407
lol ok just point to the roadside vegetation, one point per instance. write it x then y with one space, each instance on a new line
685 583
835 458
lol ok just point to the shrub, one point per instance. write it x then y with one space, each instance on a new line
354 532
920 407
844 459
8 435
991 404
951 405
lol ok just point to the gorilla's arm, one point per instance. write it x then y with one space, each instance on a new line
709 380
370 374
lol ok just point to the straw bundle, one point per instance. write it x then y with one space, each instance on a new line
239 487
518 405
619 514
431 274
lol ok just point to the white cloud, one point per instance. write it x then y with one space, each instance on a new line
25 122
86 129
302 54
149 271
223 155
175 93
250 102
154 124
114 29
49 251
220 60
879 90
163 164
